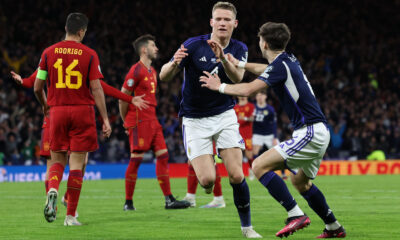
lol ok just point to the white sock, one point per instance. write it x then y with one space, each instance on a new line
190 195
219 198
332 226
296 211
249 227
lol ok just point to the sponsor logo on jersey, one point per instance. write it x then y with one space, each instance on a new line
269 69
203 59
130 82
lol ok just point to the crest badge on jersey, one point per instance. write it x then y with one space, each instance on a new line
130 82
266 112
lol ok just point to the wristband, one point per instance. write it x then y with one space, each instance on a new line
221 88
241 64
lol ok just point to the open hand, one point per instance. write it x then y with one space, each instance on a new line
17 78
139 102
217 49
209 81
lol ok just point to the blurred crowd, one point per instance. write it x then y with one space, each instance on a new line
348 49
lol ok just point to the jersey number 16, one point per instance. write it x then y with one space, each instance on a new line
69 72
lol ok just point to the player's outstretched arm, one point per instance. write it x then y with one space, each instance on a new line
170 69
255 68
235 74
213 82
99 98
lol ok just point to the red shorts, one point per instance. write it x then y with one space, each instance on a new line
73 128
147 135
45 142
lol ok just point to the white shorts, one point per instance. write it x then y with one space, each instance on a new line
306 149
199 133
262 140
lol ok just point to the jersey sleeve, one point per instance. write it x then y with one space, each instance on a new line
95 70
274 74
242 52
29 81
131 79
43 61
115 93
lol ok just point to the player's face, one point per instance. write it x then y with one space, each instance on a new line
242 99
261 97
152 50
223 23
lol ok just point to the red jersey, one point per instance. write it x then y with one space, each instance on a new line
141 80
245 127
70 66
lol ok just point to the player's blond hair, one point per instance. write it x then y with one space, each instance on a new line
225 5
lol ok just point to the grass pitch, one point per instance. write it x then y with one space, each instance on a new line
367 206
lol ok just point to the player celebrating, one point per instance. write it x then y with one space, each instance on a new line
145 132
303 153
208 115
72 122
244 111
264 126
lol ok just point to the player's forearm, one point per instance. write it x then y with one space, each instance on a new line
123 109
115 93
242 89
168 71
99 99
234 74
30 81
38 89
255 68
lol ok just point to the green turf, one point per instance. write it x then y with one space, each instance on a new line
368 207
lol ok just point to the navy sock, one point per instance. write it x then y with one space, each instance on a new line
317 202
241 197
278 189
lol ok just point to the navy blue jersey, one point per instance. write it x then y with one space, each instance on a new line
285 76
197 101
264 120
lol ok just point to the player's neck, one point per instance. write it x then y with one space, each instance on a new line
146 61
224 42
242 103
74 38
271 55
261 105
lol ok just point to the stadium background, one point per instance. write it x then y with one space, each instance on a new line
348 49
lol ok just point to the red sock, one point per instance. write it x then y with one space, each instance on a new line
74 187
56 172
131 176
162 173
217 186
46 185
191 180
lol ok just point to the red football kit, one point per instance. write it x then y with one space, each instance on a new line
145 132
71 66
245 127
45 139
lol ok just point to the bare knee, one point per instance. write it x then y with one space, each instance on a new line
301 185
260 169
206 181
236 177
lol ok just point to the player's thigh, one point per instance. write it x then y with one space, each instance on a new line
45 142
77 160
197 137
228 135
232 158
256 149
158 142
59 126
141 137
270 160
204 168
306 149
82 132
